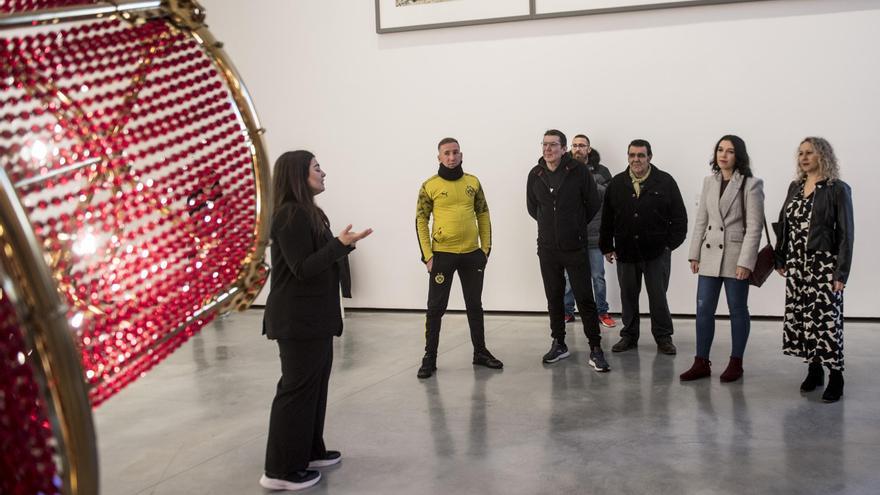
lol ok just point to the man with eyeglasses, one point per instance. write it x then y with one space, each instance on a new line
643 221
582 151
459 240
561 196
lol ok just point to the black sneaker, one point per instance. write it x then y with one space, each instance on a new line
597 360
624 344
557 351
485 358
330 458
429 366
296 481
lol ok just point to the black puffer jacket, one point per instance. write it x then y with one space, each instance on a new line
831 224
563 213
602 176
641 228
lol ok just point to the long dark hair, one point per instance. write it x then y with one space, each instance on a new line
742 163
290 186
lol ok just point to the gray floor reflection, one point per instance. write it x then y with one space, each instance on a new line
196 424
444 443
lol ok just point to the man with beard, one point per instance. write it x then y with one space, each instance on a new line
582 151
643 221
561 196
459 240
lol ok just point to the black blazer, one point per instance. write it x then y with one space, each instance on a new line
640 229
831 224
307 270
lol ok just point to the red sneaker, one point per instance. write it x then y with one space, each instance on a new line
607 321
569 318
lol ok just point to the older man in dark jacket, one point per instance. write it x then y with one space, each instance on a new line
643 220
561 195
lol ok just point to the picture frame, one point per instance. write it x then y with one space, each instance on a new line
433 14
566 8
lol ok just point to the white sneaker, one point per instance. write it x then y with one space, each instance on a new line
330 458
298 481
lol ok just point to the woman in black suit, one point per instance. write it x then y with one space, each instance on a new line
302 315
814 243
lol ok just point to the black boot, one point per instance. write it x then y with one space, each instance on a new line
815 377
834 390
429 366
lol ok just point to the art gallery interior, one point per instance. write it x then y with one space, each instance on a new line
372 107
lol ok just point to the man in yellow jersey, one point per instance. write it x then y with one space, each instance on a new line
459 240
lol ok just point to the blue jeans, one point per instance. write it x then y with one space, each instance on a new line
597 273
737 292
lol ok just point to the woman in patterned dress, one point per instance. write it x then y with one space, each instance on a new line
814 241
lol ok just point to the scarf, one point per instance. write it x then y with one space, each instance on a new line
450 174
637 182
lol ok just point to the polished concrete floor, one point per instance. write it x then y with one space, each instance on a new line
197 423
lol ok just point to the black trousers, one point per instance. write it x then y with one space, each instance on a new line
656 274
554 264
470 268
296 424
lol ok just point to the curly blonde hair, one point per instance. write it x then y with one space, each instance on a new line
828 166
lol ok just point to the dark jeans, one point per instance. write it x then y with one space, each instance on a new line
470 268
737 292
554 264
656 274
296 423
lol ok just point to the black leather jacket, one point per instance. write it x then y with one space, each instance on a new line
831 224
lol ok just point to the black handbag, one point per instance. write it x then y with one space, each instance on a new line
765 262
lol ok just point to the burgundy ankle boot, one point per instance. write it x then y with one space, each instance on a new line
701 368
734 370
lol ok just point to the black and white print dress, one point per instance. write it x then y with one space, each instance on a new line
813 325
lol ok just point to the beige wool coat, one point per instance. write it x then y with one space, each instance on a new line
719 240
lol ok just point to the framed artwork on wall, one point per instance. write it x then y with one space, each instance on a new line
559 8
410 15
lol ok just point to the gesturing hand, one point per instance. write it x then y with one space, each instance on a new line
349 238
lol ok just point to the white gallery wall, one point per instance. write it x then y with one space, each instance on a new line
372 108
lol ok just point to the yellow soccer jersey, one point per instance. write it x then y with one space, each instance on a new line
461 216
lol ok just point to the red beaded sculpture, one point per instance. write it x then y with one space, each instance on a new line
26 451
137 168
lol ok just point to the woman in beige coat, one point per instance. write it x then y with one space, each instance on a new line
724 247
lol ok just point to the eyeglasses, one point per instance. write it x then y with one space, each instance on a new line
580 146
550 145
